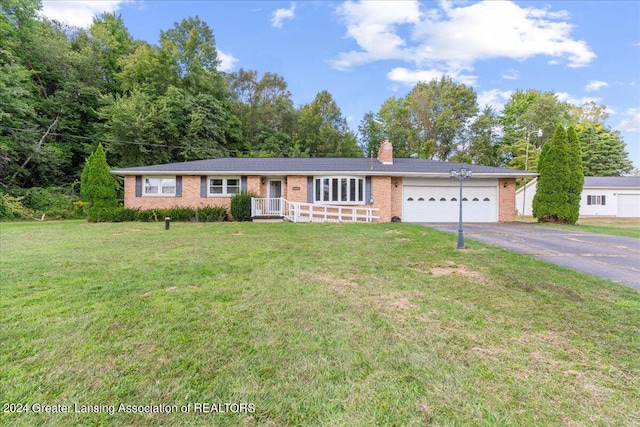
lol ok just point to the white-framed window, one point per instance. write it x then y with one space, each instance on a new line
159 186
223 185
339 189
596 200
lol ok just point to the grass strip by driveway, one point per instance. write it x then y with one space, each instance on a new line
305 324
623 227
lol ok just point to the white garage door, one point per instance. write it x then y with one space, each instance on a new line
440 204
629 205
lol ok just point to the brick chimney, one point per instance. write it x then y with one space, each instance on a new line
385 153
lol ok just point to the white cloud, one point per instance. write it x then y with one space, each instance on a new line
631 122
78 13
595 85
565 97
455 35
410 78
510 74
281 14
373 25
494 98
227 61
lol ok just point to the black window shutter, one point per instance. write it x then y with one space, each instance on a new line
243 184
603 202
309 189
138 186
203 186
178 186
367 190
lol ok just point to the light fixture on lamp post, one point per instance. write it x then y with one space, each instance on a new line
526 167
460 175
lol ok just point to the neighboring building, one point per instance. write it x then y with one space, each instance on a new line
415 190
617 196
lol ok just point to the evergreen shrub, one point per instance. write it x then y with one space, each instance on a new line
241 206
211 214
178 214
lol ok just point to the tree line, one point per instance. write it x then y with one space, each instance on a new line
63 90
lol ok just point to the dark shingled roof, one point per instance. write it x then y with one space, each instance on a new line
303 166
612 181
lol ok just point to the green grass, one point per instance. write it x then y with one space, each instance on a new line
312 324
625 227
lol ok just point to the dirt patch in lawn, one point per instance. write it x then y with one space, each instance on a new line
448 268
395 301
337 284
460 270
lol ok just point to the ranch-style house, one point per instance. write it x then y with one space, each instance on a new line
378 189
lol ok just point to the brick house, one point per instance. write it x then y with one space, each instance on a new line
414 190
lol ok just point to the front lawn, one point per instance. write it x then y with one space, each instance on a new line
304 324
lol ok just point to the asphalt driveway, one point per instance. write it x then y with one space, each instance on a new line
609 257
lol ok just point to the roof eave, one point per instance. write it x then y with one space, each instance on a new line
518 174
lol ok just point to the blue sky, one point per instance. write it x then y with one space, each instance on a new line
366 52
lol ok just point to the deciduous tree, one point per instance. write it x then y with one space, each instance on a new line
323 131
440 113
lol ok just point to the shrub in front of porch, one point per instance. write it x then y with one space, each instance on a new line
241 206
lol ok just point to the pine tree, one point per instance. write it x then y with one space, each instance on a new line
551 201
603 151
98 186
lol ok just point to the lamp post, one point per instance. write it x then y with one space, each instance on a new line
526 166
460 175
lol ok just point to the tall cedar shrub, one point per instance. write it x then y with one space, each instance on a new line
553 199
98 186
241 206
576 175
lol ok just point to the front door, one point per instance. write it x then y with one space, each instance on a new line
274 205
275 189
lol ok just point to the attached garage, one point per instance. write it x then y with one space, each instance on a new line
437 200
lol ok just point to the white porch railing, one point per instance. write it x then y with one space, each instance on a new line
308 212
267 207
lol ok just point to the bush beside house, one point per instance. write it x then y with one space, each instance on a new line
557 198
241 206
98 186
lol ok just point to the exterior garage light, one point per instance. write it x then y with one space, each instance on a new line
460 175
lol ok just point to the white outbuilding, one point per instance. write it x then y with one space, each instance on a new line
615 196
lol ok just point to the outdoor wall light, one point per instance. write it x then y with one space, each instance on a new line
506 184
396 184
262 181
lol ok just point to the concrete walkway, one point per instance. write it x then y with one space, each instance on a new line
610 257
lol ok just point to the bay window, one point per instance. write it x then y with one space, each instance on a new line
340 189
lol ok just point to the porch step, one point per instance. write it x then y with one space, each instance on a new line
267 219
